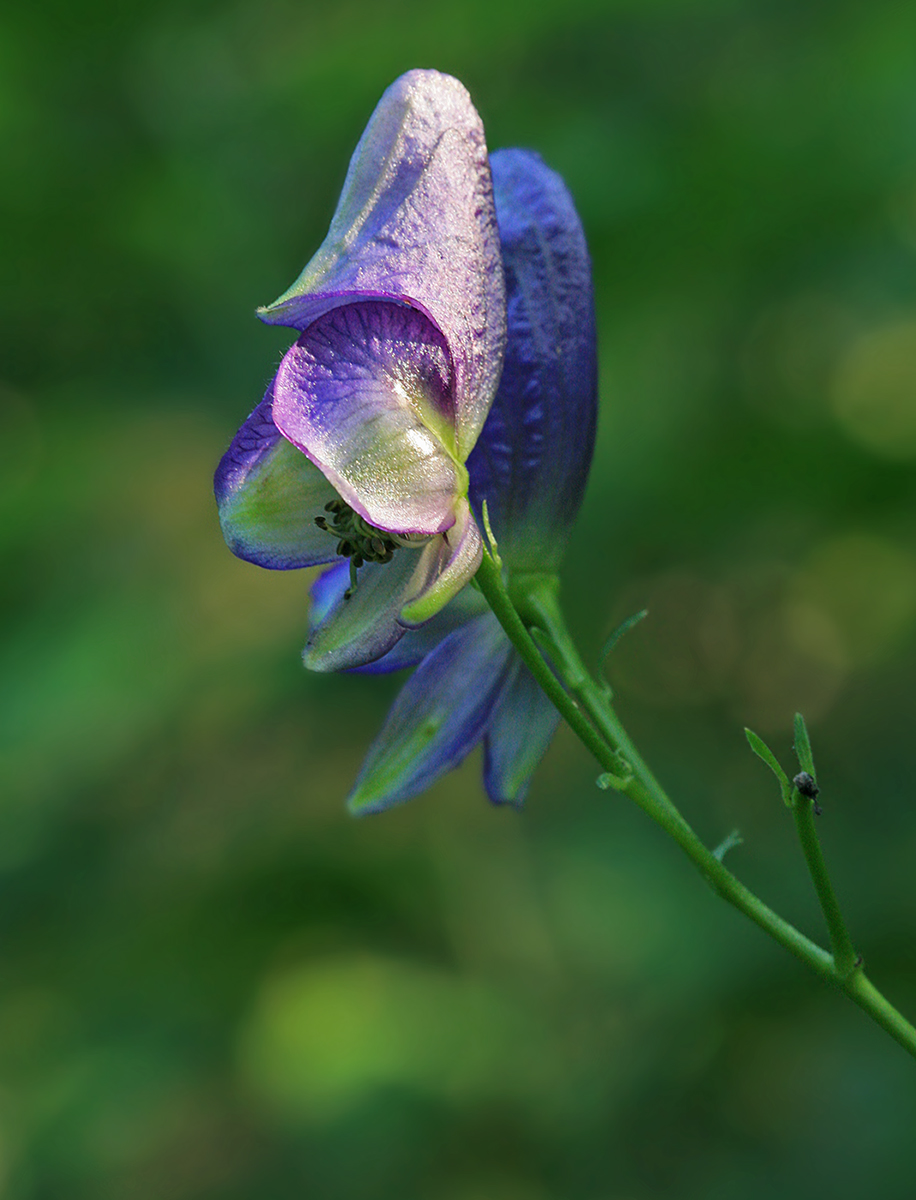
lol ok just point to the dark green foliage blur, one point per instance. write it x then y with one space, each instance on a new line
216 985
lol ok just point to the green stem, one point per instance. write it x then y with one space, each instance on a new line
490 581
844 954
863 992
604 736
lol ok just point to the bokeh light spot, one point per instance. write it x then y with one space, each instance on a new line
854 600
874 390
326 1036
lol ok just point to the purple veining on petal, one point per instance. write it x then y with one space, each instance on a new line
416 223
268 495
439 716
366 393
256 437
532 459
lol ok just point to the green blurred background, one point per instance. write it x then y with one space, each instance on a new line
214 984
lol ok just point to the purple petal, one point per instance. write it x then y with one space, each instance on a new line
351 631
437 719
451 561
362 627
532 459
417 643
268 495
416 224
520 730
328 591
365 394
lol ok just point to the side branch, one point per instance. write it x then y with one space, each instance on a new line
605 738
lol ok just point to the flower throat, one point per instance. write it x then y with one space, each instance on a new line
361 542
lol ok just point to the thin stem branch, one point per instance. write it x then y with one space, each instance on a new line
603 735
844 954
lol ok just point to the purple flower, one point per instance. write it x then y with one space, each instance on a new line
359 446
530 465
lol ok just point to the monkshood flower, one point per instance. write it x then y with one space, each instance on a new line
359 446
530 465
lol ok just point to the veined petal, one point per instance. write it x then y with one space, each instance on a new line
437 719
366 393
362 627
450 562
416 223
532 459
268 494
413 647
520 730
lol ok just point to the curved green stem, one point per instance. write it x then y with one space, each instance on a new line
603 735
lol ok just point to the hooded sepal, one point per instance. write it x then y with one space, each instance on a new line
416 224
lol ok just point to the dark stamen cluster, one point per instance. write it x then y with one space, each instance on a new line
359 541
